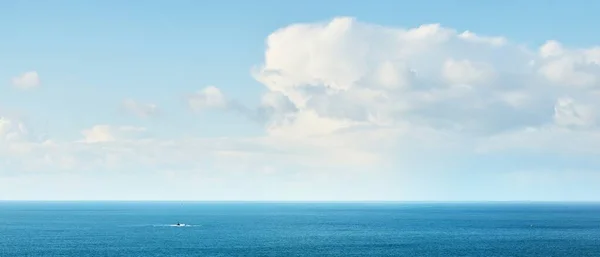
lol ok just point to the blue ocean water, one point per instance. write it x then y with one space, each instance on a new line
298 229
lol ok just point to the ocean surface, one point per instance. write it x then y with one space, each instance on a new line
130 229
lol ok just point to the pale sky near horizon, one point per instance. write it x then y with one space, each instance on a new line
299 100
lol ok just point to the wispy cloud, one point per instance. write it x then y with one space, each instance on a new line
27 80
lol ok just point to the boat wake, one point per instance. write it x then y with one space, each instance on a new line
176 225
179 225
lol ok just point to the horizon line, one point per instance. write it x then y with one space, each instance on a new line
298 201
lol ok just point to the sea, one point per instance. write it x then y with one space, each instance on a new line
146 229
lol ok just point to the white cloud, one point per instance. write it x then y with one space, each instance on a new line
349 72
15 138
11 130
27 80
99 133
551 48
569 113
466 72
143 110
208 98
570 67
107 133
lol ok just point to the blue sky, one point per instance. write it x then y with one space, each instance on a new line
447 143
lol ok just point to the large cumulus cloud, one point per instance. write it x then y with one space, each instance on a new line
430 81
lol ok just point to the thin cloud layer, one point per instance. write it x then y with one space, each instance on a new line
142 110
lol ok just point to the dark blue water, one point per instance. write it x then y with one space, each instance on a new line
298 229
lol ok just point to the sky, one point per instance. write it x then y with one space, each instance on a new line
300 100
